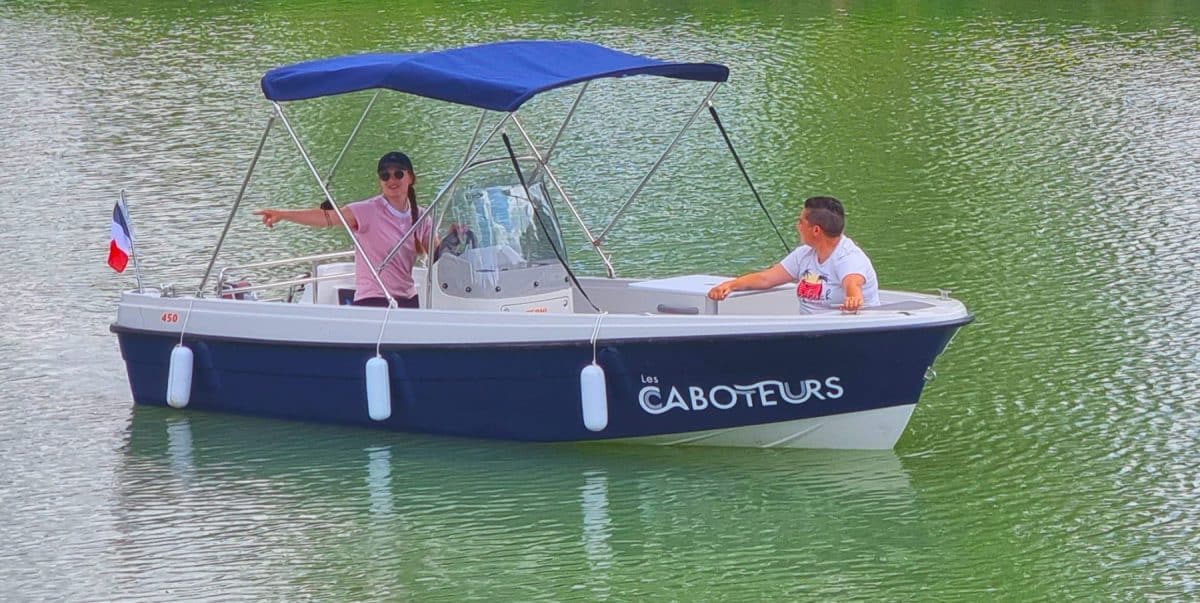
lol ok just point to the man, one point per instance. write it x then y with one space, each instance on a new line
832 272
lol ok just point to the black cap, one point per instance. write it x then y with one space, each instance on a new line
395 158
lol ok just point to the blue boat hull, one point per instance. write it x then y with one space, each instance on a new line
531 392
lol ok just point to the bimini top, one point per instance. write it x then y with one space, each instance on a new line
500 76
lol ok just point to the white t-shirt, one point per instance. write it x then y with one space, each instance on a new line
820 285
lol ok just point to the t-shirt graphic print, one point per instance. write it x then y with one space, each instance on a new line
812 286
820 284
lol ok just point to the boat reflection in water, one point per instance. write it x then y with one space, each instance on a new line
411 515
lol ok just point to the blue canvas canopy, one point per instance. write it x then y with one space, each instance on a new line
500 76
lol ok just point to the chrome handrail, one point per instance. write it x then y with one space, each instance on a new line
313 279
306 258
286 283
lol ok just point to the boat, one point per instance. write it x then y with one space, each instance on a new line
509 342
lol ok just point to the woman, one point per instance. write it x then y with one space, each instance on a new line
378 223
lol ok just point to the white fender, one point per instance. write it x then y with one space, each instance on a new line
594 397
179 377
379 389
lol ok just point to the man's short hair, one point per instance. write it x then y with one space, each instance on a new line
828 213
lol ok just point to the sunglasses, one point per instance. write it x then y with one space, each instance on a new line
385 175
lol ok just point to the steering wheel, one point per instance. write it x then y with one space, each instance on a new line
458 240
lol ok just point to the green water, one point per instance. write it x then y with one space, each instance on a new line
1039 159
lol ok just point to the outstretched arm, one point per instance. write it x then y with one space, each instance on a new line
853 283
317 218
763 279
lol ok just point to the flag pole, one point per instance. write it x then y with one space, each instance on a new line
137 268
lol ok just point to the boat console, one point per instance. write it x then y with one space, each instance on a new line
499 248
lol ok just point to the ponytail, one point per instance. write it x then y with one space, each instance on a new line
412 208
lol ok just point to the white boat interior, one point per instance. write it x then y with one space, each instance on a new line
673 307
497 257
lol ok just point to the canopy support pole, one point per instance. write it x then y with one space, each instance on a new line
566 198
237 202
671 147
542 222
475 136
329 197
353 135
563 127
438 199
729 143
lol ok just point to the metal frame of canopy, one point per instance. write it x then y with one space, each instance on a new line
470 159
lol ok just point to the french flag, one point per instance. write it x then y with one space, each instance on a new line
121 246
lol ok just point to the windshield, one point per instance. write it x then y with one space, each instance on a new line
494 216
496 241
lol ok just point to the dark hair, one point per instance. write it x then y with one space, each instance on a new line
397 159
412 208
826 212
400 160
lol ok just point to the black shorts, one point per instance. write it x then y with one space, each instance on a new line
382 302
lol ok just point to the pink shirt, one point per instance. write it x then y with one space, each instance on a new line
380 227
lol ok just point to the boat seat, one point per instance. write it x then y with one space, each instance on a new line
337 275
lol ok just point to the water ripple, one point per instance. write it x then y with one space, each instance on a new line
1041 162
